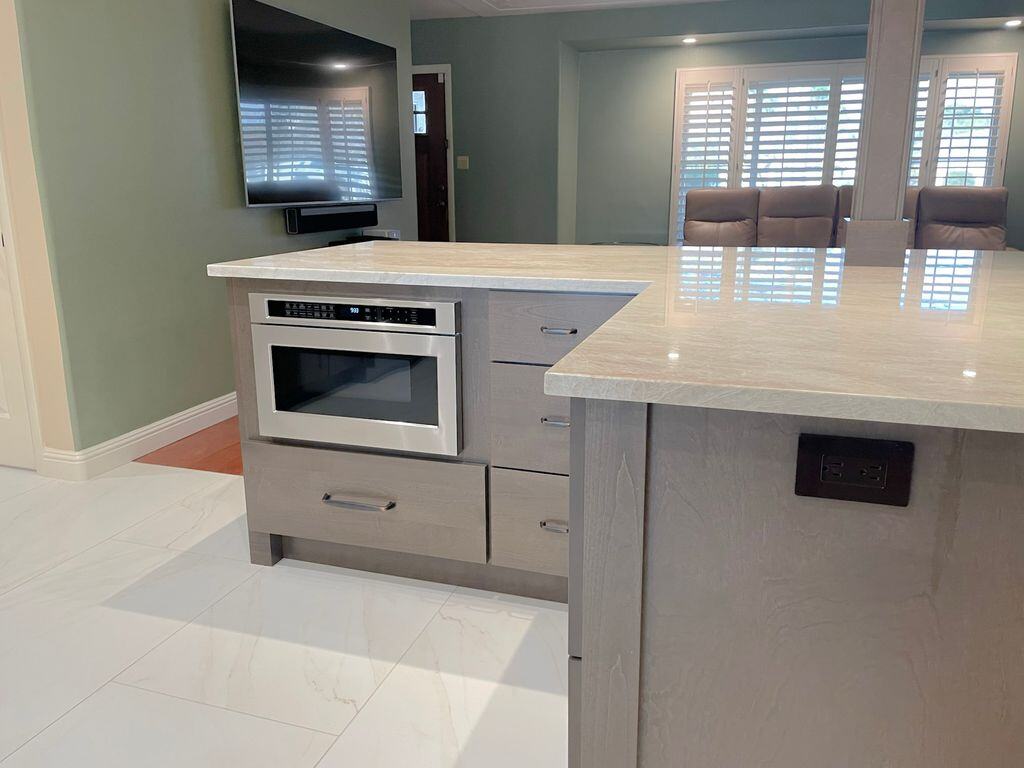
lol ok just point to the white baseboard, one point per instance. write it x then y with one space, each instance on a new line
90 462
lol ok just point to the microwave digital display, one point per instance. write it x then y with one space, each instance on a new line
360 313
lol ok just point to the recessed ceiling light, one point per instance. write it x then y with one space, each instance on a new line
1013 23
689 40
339 65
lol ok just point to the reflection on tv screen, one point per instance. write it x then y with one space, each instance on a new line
318 110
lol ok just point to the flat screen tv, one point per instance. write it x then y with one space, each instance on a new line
317 109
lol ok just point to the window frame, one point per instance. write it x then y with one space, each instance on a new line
939 66
692 76
833 69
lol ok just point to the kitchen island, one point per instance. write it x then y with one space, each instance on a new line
716 617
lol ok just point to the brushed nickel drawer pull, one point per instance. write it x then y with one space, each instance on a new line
555 526
554 421
369 505
559 331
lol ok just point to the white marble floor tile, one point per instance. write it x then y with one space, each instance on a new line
122 727
210 521
69 631
16 481
55 521
484 686
306 646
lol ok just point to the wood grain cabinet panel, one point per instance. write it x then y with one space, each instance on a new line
529 521
434 508
529 430
541 328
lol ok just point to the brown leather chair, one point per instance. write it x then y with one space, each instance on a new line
796 217
721 217
962 217
844 207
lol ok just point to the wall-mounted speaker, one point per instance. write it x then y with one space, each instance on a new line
327 218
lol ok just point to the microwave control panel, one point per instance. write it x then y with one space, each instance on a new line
358 313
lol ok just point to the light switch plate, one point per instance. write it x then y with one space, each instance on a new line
462 162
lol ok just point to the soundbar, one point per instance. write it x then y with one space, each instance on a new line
301 221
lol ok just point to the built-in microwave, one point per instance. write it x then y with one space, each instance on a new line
372 373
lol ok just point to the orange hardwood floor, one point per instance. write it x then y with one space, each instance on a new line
214 449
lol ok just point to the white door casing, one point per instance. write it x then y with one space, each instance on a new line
16 435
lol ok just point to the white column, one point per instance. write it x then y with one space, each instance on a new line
893 56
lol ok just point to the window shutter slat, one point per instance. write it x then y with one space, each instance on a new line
786 131
707 114
969 126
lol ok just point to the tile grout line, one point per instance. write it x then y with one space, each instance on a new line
112 537
218 707
113 678
359 710
48 481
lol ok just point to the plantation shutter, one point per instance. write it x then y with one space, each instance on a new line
706 106
296 148
351 150
972 123
917 137
786 131
255 122
851 109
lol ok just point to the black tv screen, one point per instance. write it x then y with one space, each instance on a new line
317 108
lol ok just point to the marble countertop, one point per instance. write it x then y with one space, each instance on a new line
938 341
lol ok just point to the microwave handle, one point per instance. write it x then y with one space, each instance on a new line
362 505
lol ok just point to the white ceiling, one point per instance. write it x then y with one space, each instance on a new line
448 9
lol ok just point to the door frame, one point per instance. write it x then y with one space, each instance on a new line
18 308
446 70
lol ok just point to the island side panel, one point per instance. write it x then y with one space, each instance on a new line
612 586
790 632
264 548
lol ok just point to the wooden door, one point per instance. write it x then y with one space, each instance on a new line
430 127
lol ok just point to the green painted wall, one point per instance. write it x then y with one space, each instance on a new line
134 124
626 110
507 100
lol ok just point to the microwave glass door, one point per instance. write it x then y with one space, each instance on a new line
360 385
397 391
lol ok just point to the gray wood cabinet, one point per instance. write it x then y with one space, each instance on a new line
424 507
541 328
530 521
473 519
529 430
732 623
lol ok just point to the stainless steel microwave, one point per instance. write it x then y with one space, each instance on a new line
372 373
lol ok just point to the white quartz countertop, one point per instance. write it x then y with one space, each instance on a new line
938 341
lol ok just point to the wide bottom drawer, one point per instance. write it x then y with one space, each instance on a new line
529 521
386 502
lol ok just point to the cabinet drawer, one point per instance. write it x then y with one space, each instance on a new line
529 430
542 327
386 502
520 502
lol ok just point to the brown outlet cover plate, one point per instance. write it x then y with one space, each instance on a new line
854 469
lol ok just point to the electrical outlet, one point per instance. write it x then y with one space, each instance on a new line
854 469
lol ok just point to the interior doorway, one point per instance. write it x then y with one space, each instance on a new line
16 437
432 126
